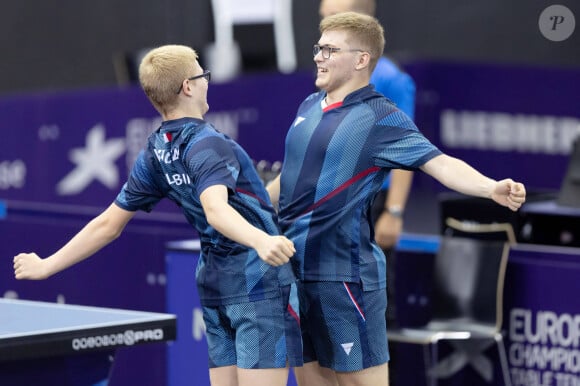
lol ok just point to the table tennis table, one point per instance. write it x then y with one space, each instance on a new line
59 344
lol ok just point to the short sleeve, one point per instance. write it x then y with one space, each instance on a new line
211 161
141 191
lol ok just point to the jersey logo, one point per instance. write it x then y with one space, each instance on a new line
347 347
298 121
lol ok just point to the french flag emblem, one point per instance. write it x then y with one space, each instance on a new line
167 137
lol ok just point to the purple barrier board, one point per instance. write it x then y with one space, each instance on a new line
542 316
77 147
507 121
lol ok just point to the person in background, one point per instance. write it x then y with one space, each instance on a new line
245 283
344 141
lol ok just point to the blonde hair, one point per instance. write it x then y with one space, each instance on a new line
363 30
162 71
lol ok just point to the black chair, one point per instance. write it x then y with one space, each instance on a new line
467 301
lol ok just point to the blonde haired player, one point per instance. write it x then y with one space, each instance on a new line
246 286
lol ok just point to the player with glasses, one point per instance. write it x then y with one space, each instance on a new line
388 209
344 141
245 283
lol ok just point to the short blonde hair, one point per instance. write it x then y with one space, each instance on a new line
162 71
363 30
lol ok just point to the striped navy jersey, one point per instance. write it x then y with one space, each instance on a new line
335 162
183 158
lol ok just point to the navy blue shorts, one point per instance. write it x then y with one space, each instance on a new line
256 335
343 327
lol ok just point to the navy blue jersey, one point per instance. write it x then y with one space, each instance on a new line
335 163
183 158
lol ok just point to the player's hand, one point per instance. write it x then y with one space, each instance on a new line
275 250
387 230
29 266
509 193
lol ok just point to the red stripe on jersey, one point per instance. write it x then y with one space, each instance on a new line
342 187
293 313
354 302
248 193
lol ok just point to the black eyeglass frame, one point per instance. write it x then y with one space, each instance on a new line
317 48
206 74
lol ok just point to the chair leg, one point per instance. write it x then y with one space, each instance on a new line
430 359
503 360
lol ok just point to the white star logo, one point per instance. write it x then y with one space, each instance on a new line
94 162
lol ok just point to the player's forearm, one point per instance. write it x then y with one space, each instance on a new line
459 176
227 221
93 237
400 185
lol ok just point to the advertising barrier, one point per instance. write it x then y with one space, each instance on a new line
504 120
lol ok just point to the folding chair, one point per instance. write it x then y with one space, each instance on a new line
469 272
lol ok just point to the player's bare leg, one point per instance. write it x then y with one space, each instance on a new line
373 376
223 376
263 377
312 374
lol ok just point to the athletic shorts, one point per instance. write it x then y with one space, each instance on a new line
255 335
343 327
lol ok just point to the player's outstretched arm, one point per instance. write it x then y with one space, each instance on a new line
273 249
459 176
99 232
